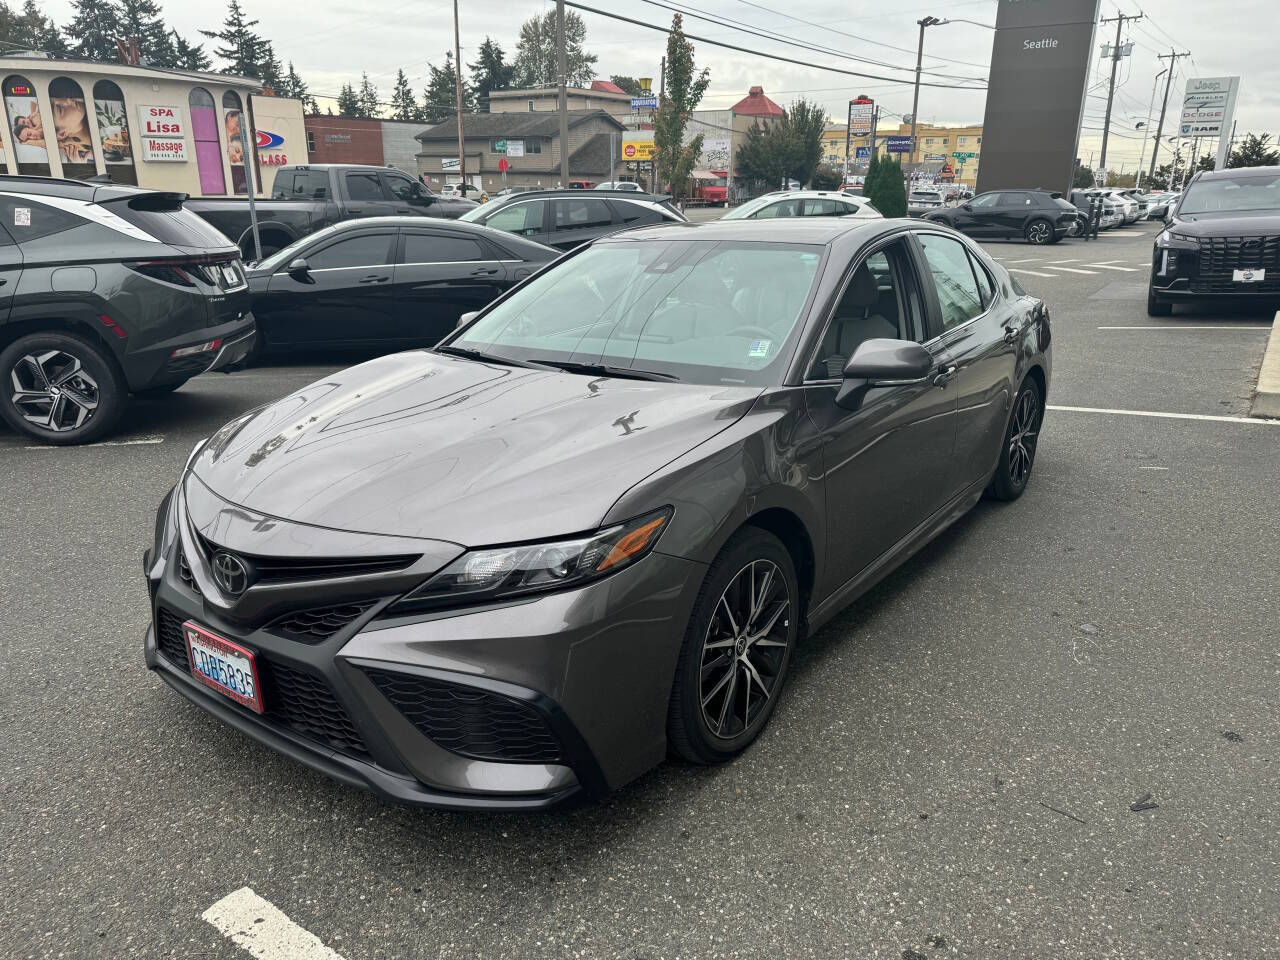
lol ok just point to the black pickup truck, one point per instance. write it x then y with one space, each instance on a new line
305 198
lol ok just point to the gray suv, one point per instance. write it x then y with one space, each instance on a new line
106 291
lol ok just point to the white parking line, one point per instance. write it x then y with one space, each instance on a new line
1163 415
1107 266
259 928
1090 273
1027 260
137 442
1031 273
1177 326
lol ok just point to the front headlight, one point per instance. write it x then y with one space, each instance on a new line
479 576
1169 237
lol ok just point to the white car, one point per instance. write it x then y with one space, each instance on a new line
804 203
1127 205
619 185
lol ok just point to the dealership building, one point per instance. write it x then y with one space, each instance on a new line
158 128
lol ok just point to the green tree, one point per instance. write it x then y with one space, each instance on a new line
404 105
188 56
367 98
764 155
142 22
1254 152
888 192
294 86
490 72
270 71
348 102
827 177
438 101
1083 178
241 47
806 121
535 62
94 28
629 84
673 158
31 30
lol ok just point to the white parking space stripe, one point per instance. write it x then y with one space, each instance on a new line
137 442
1090 273
263 931
1027 260
1163 415
1030 273
1172 326
1107 266
1073 260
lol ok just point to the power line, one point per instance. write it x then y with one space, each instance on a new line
761 53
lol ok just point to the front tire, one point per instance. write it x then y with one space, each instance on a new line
737 649
1038 232
1018 451
60 388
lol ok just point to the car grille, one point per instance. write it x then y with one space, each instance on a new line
184 574
1219 256
473 723
1225 284
313 626
281 569
300 701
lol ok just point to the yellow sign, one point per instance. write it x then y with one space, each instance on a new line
637 145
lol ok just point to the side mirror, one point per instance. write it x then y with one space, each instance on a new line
299 269
467 318
966 206
882 363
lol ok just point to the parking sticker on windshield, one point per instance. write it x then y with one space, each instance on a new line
759 348
22 216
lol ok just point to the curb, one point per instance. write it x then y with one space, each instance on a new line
1266 398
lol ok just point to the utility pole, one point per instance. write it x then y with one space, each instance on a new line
915 98
1164 106
848 131
561 77
1119 21
457 75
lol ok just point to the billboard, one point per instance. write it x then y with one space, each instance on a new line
637 145
860 117
897 144
1208 106
1040 60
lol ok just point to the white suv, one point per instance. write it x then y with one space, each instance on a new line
805 203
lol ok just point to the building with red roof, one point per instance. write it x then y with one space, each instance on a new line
756 104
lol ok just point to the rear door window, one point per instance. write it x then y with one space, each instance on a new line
29 220
822 207
301 185
365 250
364 186
784 208
633 214
582 214
423 248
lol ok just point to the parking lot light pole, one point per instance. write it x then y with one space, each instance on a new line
915 98
457 75
561 70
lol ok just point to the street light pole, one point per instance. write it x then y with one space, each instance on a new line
457 76
561 70
915 98
1164 105
1146 126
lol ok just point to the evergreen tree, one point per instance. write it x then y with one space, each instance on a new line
241 47
1254 151
889 192
763 156
674 159
404 106
94 28
368 98
489 72
141 21
348 102
439 103
535 62
270 72
31 30
294 86
188 56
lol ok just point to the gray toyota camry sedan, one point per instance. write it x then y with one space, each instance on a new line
588 529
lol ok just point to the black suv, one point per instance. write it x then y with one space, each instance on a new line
1221 241
1039 216
565 219
105 291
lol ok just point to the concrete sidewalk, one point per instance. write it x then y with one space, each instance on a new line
1266 398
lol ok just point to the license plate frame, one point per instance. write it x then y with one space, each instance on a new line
1249 276
217 650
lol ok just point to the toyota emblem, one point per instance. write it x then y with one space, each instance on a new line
230 572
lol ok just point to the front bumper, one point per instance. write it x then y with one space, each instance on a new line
589 670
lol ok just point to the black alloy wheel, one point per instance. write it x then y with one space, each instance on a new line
737 649
1039 231
59 388
1018 453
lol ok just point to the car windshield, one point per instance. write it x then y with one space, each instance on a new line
697 311
1242 194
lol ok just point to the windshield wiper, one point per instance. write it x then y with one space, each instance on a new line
604 370
471 354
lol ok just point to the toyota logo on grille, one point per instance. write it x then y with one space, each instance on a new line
230 572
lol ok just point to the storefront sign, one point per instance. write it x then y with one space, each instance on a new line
515 148
860 112
644 103
279 134
161 122
270 147
1208 107
637 145
164 148
450 163
898 144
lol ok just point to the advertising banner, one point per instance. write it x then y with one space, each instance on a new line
26 126
515 148
279 134
637 145
898 144
860 118
113 131
862 153
715 153
71 124
1040 60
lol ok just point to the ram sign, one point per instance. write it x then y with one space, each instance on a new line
1040 61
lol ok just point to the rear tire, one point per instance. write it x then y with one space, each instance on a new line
1018 449
68 389
1039 232
736 652
1157 307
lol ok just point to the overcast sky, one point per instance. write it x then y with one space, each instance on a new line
332 41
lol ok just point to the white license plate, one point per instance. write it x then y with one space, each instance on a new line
1248 276
223 666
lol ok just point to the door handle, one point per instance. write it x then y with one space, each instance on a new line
483 272
944 375
375 278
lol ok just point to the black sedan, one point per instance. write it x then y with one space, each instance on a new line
384 282
592 526
1038 216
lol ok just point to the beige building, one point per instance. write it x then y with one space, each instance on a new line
601 95
162 129
959 146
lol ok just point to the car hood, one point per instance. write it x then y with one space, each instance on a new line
1229 224
418 444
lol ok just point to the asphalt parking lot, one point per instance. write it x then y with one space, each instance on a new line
951 771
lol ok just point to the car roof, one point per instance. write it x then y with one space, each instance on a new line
781 230
70 189
1236 173
445 223
628 194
